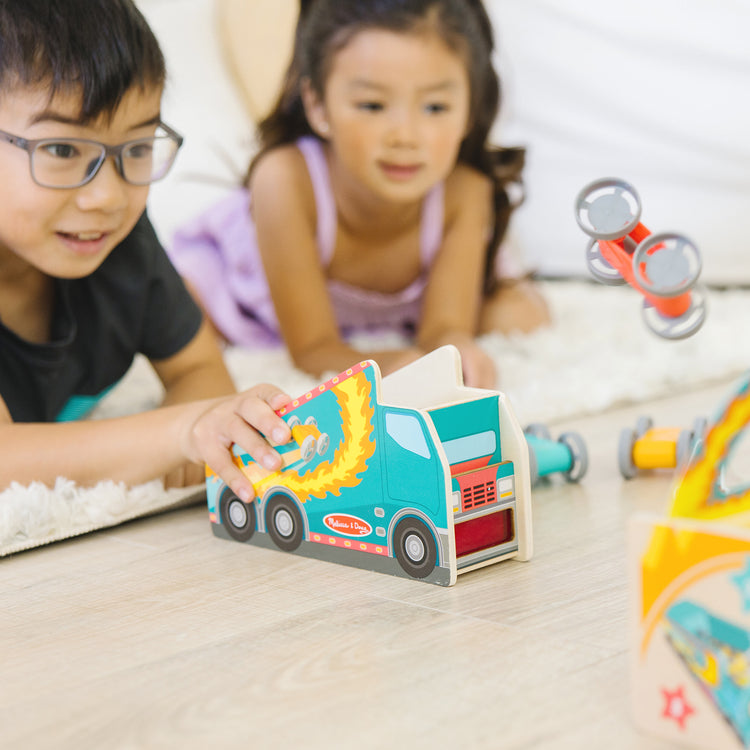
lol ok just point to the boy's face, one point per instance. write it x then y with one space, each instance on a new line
68 232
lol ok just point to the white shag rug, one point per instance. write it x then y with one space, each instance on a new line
598 354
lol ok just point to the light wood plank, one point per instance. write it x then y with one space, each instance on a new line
156 634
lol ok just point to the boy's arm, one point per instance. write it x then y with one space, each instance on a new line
197 371
202 418
149 445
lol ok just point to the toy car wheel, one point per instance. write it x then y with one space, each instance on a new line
608 209
537 430
239 518
579 454
415 547
294 421
684 447
323 442
693 441
311 421
307 449
284 523
642 426
683 325
625 453
666 265
700 429
600 268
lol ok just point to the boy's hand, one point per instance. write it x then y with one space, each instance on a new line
187 475
243 419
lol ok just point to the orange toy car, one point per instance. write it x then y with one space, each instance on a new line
663 267
647 447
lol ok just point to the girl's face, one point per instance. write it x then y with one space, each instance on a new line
67 233
395 110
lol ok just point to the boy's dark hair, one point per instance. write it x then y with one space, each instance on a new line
325 26
100 48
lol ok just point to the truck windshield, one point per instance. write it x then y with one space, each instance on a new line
471 446
406 431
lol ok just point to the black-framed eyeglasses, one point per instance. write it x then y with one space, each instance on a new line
72 162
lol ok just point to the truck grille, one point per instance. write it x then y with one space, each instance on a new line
478 495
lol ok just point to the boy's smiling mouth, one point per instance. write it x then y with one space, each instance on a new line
83 236
85 243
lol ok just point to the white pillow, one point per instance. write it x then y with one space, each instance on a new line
200 102
653 92
656 93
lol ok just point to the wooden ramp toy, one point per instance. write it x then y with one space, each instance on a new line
690 594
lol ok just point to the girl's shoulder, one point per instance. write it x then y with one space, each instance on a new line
282 171
466 186
277 165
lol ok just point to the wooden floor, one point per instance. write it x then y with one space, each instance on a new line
158 635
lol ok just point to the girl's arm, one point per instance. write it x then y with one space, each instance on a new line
454 293
283 207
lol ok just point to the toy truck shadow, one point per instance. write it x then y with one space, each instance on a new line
413 475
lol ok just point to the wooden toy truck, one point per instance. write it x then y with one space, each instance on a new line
413 474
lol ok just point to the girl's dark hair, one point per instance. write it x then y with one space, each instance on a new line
326 26
101 48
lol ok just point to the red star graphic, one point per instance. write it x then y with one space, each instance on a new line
676 706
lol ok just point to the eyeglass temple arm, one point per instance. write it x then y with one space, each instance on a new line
14 140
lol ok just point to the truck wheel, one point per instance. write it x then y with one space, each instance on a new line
415 547
284 523
238 518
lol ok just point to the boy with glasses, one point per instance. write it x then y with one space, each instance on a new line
84 283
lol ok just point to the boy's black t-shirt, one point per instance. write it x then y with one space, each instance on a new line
134 302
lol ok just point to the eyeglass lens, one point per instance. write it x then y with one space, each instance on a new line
72 162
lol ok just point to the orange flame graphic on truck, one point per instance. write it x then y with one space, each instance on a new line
352 392
352 454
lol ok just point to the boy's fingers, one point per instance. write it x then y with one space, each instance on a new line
273 396
237 481
253 418
255 415
253 443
